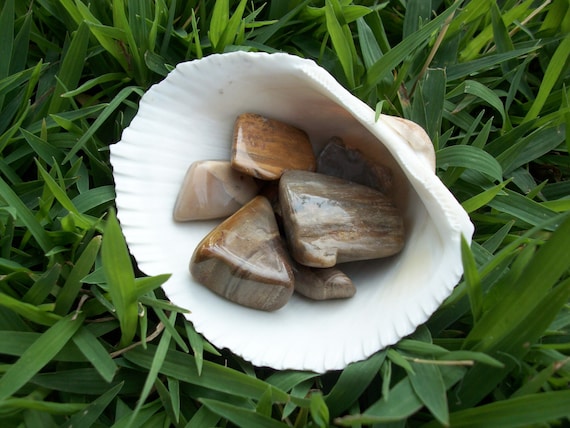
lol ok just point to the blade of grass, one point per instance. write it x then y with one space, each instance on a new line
39 354
472 279
120 278
68 293
157 362
89 416
352 382
400 52
534 409
26 216
428 385
241 416
94 351
71 68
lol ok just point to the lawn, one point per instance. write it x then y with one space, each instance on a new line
87 340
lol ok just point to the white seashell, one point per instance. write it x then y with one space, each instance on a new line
190 116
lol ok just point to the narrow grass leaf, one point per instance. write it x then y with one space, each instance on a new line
214 376
233 25
401 403
61 196
53 408
120 278
43 286
428 385
512 344
197 345
523 208
483 198
71 69
400 52
319 410
101 119
39 354
352 382
93 198
265 403
204 417
533 409
26 216
91 413
7 37
241 416
465 69
46 152
94 351
157 362
30 312
218 22
477 89
148 284
340 42
433 90
472 279
469 157
553 72
543 270
369 47
68 293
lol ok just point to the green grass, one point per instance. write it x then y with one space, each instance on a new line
85 340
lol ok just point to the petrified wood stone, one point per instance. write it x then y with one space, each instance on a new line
322 284
244 259
329 220
264 148
212 189
338 160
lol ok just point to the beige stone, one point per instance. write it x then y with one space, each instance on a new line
245 260
212 189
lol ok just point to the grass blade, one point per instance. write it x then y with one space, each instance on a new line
39 354
94 351
120 278
241 416
92 412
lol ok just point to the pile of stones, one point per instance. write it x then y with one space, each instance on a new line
291 217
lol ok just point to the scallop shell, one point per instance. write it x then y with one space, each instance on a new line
189 116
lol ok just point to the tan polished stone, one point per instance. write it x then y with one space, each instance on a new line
322 283
213 189
341 161
264 148
329 220
245 260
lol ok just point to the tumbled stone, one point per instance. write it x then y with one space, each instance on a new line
338 160
264 148
213 189
322 283
328 220
245 260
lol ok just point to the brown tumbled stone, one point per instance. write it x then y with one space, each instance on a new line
265 148
329 220
212 189
244 259
322 283
341 161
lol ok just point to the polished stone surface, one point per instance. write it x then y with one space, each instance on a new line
213 189
329 220
322 284
245 260
338 160
264 148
